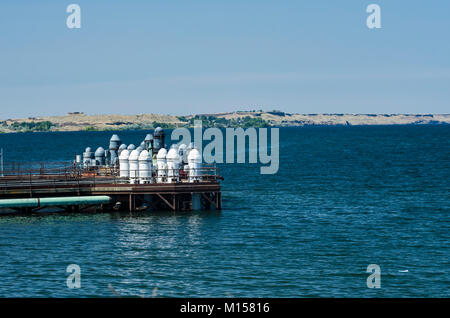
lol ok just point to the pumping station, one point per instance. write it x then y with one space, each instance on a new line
117 177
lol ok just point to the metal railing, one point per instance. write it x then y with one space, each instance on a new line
37 168
59 174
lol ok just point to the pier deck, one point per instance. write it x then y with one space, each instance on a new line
177 196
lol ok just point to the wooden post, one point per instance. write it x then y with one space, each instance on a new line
130 202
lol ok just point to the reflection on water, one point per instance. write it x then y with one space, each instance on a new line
150 242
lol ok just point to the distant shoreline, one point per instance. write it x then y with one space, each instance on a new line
81 122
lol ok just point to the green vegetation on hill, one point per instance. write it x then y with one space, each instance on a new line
163 125
238 119
243 122
207 121
140 126
32 126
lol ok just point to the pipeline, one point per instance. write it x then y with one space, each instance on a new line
43 202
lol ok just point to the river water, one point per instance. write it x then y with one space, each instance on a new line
344 198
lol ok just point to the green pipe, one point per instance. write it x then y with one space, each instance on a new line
99 199
41 202
19 203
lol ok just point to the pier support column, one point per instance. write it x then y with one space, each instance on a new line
196 201
131 202
218 200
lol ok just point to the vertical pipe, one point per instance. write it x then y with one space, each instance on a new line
31 191
1 155
130 203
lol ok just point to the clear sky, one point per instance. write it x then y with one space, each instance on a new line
199 56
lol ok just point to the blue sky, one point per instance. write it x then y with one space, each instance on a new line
193 56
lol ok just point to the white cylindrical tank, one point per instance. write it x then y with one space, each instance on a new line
114 144
100 156
88 157
123 164
145 167
173 165
121 148
194 161
161 165
133 161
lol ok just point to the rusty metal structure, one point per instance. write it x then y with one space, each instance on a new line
65 179
120 178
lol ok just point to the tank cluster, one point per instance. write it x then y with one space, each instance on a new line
150 162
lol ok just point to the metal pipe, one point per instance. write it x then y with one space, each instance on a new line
1 155
42 202
98 199
19 203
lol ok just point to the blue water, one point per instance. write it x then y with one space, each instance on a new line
344 198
